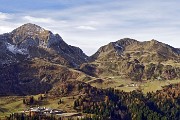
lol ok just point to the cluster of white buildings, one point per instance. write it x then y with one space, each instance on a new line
43 111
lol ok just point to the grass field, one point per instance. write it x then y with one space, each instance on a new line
10 105
127 85
156 85
116 82
14 104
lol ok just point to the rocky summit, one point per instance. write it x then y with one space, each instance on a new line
30 41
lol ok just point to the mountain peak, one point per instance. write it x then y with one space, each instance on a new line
34 41
30 28
126 41
30 25
31 34
154 41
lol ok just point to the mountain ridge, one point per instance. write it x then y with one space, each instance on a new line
33 57
128 44
135 60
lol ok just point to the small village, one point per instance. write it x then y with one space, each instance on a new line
42 112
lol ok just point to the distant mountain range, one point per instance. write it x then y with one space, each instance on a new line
34 60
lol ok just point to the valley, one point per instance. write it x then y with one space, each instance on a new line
13 104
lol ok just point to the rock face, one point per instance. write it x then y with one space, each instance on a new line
135 60
33 41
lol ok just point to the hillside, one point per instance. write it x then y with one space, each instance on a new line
33 60
136 60
145 51
35 76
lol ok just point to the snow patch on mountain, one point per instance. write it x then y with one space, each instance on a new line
118 46
14 49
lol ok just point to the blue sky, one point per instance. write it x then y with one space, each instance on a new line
90 24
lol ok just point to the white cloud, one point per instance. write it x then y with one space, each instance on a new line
83 27
4 16
38 20
5 29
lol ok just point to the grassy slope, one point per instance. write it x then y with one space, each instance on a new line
10 105
13 104
157 85
147 86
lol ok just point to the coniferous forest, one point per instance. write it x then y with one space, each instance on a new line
118 105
